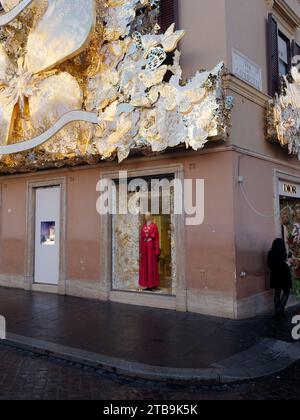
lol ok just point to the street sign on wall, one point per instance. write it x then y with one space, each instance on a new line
246 69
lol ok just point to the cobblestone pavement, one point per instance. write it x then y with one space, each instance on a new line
24 375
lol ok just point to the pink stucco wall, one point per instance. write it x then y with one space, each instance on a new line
209 248
13 227
233 238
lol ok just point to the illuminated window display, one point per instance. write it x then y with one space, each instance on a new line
132 251
48 233
290 219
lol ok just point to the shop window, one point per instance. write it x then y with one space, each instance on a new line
126 247
290 220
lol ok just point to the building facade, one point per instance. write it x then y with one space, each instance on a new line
252 185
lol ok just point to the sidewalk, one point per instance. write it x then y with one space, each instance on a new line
146 342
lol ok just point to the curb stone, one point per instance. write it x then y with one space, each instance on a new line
267 358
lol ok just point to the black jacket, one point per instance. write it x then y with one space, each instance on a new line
281 277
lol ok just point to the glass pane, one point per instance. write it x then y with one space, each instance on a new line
290 220
127 254
283 50
283 68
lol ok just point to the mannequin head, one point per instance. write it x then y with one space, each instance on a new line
148 217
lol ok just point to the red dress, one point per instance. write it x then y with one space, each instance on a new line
149 252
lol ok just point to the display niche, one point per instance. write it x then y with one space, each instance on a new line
132 249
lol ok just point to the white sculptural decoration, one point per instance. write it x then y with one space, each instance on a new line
283 122
78 81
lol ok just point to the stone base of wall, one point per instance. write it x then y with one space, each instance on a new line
262 303
144 299
224 305
45 288
255 305
211 303
220 304
16 282
88 289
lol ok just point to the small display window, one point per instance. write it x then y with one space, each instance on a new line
48 233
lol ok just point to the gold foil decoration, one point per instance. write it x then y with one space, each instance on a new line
53 99
61 33
106 59
283 115
55 38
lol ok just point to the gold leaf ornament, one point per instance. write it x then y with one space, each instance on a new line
105 61
61 33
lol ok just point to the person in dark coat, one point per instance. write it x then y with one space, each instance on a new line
281 278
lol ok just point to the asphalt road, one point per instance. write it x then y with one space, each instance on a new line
26 376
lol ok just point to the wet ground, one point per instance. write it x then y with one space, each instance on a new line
151 336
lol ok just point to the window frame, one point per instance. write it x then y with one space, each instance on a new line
275 33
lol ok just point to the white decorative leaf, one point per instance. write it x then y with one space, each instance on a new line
56 96
5 65
61 33
6 113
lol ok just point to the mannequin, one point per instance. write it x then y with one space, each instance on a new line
149 252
